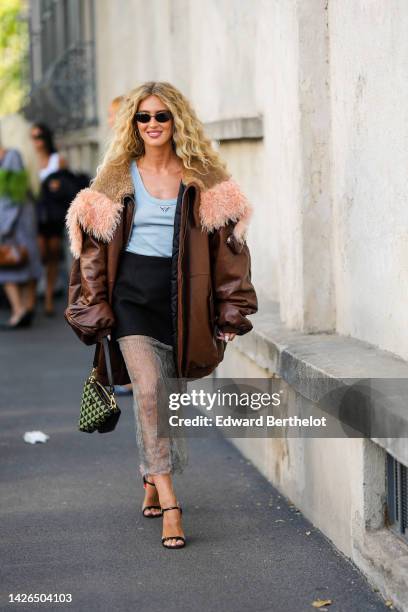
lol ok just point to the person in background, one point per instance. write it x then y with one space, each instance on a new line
51 222
18 224
113 109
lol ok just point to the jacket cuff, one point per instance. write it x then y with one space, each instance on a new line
90 322
231 320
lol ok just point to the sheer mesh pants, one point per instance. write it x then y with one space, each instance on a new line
151 368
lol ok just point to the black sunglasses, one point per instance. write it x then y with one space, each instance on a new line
161 116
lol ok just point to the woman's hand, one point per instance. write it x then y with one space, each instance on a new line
228 336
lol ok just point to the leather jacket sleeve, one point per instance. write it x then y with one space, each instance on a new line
234 294
89 312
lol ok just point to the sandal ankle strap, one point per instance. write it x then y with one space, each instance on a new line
172 508
145 482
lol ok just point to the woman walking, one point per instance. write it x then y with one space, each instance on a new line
18 226
162 266
51 219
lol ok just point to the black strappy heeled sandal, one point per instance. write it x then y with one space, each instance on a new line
176 537
146 482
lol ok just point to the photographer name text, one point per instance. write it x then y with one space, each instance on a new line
259 421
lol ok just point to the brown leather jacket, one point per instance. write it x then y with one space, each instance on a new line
211 266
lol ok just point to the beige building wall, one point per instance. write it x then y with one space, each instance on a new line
369 169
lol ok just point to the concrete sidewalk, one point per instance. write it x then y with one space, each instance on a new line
71 521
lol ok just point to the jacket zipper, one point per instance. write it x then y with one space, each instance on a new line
182 234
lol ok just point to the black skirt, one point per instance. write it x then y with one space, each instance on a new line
141 299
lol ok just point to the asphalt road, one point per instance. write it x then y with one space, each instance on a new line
70 509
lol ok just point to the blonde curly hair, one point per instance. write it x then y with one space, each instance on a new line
190 143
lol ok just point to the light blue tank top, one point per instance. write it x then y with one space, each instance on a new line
153 223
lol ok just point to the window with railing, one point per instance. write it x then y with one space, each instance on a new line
397 485
62 53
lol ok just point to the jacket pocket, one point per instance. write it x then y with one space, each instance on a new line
220 344
211 310
235 246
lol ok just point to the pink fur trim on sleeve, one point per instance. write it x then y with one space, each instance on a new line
222 203
96 214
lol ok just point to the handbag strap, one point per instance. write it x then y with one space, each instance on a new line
108 364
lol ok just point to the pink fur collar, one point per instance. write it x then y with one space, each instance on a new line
97 209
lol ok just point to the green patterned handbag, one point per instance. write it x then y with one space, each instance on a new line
99 410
